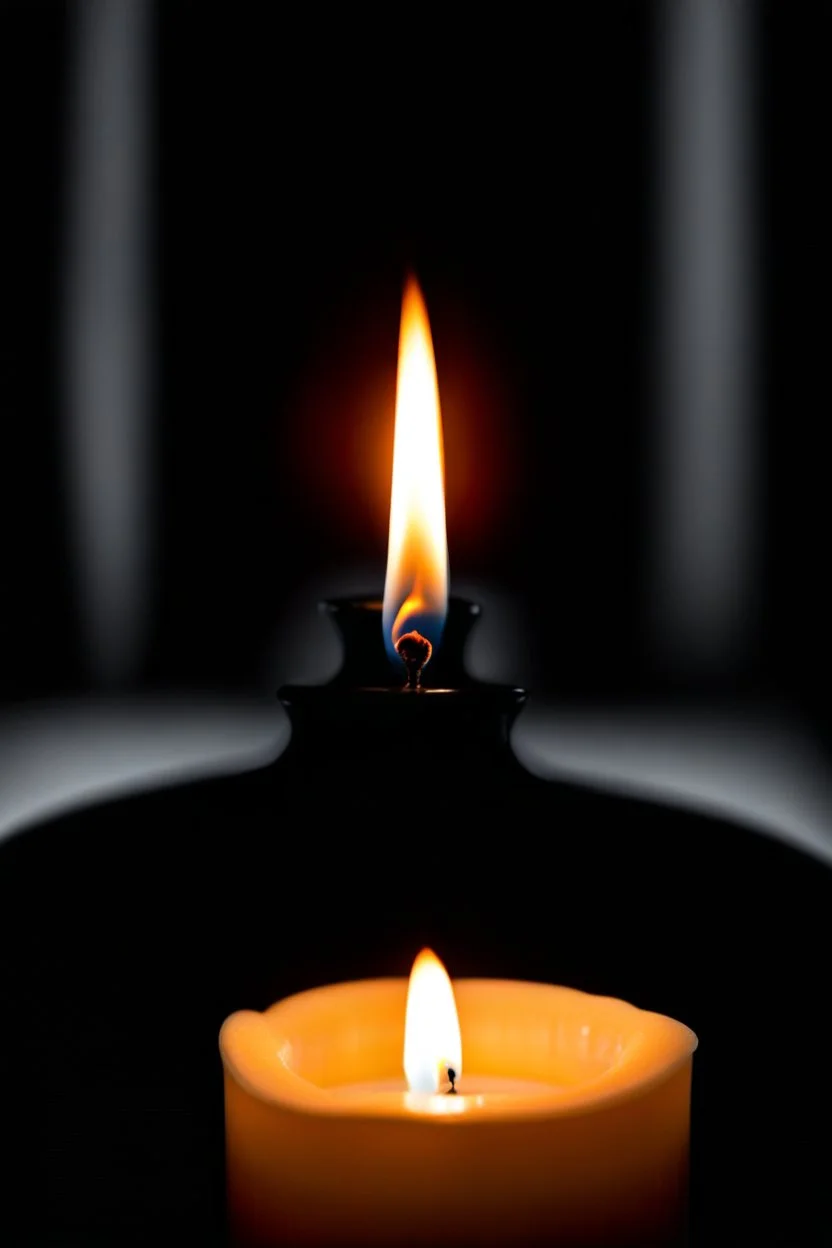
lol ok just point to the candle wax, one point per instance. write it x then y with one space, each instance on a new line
570 1125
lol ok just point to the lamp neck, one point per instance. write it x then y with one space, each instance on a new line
367 716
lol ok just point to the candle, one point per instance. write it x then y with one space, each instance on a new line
373 1113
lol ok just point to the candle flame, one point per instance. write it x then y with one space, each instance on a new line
432 1042
416 586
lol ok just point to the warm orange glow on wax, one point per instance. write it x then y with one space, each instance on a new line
416 586
432 1043
576 1111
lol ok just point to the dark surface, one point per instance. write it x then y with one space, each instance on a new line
133 929
394 820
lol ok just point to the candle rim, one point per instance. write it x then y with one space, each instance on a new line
287 1089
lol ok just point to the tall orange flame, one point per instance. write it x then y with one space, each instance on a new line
416 586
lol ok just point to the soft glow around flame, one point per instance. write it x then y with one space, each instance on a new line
416 588
432 1042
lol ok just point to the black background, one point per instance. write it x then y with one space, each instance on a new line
300 170
297 175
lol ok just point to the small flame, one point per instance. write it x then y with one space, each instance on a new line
432 1043
416 587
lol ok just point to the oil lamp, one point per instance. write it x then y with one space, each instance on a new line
403 687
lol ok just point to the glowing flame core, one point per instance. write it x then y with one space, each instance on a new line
432 1041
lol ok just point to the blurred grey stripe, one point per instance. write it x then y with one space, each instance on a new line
106 328
703 522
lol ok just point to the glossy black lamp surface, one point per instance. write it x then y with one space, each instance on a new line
395 819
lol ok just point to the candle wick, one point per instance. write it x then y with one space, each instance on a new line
414 650
452 1078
